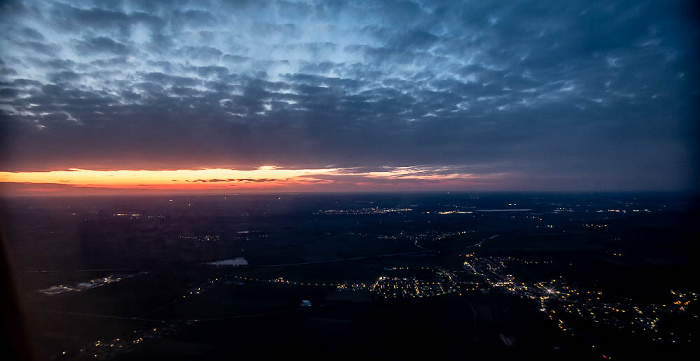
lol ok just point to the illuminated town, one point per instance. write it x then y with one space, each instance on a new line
563 303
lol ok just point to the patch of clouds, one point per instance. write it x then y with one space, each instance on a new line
362 84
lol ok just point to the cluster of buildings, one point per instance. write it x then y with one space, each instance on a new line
566 304
82 286
363 211
207 238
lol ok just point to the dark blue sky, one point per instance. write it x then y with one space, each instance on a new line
561 95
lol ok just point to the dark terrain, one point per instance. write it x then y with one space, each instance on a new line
390 276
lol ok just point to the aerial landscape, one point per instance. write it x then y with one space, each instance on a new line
394 179
346 275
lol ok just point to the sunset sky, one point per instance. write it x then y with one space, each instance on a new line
304 96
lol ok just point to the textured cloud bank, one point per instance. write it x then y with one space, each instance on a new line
586 95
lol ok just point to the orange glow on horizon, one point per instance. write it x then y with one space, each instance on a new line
164 178
264 178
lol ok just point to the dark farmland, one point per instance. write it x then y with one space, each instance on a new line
385 275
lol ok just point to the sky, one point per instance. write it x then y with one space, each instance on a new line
276 96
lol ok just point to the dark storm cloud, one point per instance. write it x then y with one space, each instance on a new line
597 90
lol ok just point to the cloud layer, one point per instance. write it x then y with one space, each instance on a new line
577 91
